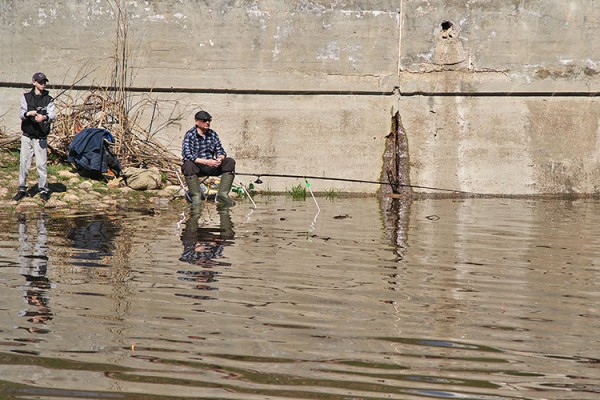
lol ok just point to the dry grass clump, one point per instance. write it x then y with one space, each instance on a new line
134 144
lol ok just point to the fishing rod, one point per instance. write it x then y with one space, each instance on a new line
73 85
259 181
44 110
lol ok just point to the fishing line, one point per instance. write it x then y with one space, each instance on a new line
188 197
312 194
259 181
180 223
247 193
73 85
185 192
248 216
314 221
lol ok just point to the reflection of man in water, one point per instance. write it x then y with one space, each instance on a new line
203 246
33 262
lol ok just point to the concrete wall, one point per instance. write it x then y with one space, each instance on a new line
503 102
497 101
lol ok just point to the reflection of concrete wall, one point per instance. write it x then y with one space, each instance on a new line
487 99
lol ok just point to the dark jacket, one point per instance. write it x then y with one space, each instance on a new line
30 127
90 151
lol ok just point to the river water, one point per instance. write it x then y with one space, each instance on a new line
430 299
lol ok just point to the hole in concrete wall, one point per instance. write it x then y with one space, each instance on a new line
446 29
449 49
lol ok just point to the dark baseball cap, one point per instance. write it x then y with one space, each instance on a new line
202 115
39 77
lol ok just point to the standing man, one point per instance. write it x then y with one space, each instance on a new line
36 113
203 155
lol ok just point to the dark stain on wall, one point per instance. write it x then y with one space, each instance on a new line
396 159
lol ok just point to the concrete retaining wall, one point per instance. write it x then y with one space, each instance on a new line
495 97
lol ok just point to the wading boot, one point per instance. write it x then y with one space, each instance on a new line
224 188
194 190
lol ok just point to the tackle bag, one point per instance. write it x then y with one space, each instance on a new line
142 178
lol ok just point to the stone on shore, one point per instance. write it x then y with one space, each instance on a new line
85 185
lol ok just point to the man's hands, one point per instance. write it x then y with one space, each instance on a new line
209 162
37 117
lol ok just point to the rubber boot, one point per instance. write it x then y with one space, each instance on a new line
194 189
224 188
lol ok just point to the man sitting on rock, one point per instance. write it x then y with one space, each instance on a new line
203 155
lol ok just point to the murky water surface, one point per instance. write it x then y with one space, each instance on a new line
467 299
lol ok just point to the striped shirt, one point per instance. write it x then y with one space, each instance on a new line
196 146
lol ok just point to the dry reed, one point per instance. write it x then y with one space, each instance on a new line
134 145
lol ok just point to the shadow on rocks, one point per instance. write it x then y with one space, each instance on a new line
57 187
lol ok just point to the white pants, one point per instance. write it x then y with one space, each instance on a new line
39 149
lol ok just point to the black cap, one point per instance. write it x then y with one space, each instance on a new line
202 115
39 77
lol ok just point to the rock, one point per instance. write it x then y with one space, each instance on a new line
6 203
85 185
172 188
168 191
161 202
70 198
103 206
55 203
93 194
89 197
27 204
98 194
67 174
88 203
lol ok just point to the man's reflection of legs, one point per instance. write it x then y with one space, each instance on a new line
202 246
188 235
227 233
33 262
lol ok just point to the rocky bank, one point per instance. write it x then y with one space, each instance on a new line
69 190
